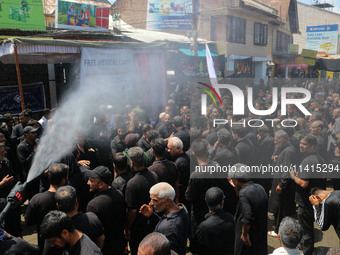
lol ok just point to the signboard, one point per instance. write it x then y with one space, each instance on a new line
243 67
71 15
322 38
24 14
113 67
309 53
197 66
34 97
169 14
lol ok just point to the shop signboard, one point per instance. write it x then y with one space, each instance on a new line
169 14
24 14
73 15
322 38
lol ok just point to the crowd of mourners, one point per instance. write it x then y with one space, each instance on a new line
142 185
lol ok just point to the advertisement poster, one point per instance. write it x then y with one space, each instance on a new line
169 15
34 97
24 15
323 39
71 15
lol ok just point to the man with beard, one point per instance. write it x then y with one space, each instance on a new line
17 131
118 144
165 129
108 204
59 231
174 223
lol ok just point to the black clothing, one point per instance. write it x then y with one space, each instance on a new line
88 153
305 210
109 206
252 210
183 165
183 134
89 224
84 246
283 204
175 227
25 152
164 130
117 145
144 144
18 246
40 205
166 171
266 147
246 151
225 157
17 133
137 194
121 180
216 234
330 210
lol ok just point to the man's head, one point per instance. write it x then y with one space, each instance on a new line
154 244
119 162
239 132
308 144
58 174
151 135
214 198
136 156
167 119
200 148
177 122
162 196
281 138
30 133
320 194
100 179
224 136
47 113
158 147
25 116
263 131
239 175
66 199
57 228
316 127
290 232
175 146
336 113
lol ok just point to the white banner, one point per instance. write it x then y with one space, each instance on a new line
113 67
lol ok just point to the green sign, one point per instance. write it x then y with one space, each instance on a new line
22 14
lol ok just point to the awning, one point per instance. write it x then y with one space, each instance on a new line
51 51
332 65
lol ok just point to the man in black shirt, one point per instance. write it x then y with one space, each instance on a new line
166 170
155 243
26 149
88 223
123 175
244 146
217 233
42 203
251 214
137 194
108 204
174 224
182 161
57 228
181 132
17 131
304 182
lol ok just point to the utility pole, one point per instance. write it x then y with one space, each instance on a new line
194 33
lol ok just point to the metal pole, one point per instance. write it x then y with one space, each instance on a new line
19 78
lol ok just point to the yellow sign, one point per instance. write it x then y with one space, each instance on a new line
309 61
294 49
309 53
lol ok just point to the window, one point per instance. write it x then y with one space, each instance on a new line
236 29
282 41
260 34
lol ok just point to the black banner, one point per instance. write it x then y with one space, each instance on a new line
34 97
243 68
192 66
